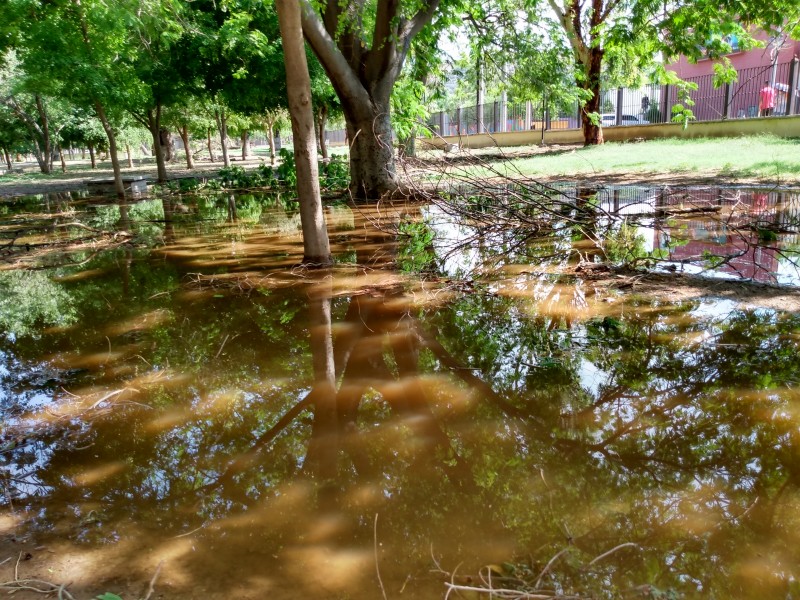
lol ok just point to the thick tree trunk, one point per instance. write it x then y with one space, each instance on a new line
119 187
211 156
184 133
92 156
245 145
372 167
44 154
322 117
130 155
222 126
592 133
316 248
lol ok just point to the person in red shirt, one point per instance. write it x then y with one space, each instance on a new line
766 102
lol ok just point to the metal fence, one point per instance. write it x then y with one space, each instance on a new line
625 106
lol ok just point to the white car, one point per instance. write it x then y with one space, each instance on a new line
611 119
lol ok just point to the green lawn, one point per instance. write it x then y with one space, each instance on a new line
765 158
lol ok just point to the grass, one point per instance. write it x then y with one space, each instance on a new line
762 158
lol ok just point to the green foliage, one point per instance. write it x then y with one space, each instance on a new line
415 253
287 169
335 173
624 244
29 299
236 177
108 596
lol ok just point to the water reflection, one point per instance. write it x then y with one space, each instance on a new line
246 426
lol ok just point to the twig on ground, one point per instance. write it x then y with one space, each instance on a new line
375 547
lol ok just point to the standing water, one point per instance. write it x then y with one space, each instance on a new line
184 406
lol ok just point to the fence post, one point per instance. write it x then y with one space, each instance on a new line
442 130
458 120
791 98
503 112
494 117
528 115
726 111
546 124
665 112
620 92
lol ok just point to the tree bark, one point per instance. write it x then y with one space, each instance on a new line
592 133
211 156
363 79
7 156
245 145
92 156
153 122
130 155
222 126
165 140
316 248
271 140
184 133
322 116
119 187
61 157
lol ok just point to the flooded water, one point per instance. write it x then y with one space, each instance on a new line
182 400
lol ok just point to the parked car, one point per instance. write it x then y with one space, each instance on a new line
611 119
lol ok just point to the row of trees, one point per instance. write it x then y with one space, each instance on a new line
76 69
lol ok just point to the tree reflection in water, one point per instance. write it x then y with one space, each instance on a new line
252 439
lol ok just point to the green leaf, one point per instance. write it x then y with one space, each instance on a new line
108 596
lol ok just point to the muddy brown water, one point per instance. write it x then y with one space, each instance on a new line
187 402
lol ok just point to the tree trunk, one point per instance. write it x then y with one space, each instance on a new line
323 117
372 167
130 155
592 133
271 140
44 157
222 126
211 156
184 133
7 156
154 125
165 140
316 248
245 145
92 157
61 157
119 187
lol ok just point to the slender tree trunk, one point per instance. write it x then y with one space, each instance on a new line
92 157
316 247
245 145
222 126
130 155
165 140
154 125
61 157
119 187
83 152
322 118
323 447
271 140
184 133
210 146
46 161
7 156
